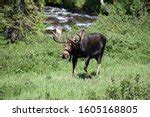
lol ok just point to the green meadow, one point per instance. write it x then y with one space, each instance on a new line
33 68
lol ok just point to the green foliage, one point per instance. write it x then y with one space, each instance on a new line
53 1
19 20
33 68
127 37
111 91
128 90
133 7
67 3
92 95
1 24
93 5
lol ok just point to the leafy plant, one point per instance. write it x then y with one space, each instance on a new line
21 18
128 90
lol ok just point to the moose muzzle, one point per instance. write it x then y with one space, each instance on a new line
65 54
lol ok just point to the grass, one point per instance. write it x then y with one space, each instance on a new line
33 68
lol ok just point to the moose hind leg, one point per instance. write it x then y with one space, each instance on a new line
87 60
98 69
99 59
98 65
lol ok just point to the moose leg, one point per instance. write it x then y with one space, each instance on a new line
70 57
74 63
99 59
98 68
87 60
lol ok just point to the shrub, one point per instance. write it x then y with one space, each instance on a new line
128 90
20 19
134 8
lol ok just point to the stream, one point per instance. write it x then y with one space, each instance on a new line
65 19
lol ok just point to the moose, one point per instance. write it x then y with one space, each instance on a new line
82 45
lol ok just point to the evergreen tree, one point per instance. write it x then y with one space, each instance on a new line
21 17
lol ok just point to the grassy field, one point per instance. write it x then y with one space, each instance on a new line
33 68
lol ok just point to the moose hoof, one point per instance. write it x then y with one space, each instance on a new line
89 76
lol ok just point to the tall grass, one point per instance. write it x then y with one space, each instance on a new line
33 68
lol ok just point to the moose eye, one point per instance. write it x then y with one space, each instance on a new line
75 39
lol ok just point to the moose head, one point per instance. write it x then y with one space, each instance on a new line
71 43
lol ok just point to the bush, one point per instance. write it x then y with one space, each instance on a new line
128 90
20 19
134 8
126 37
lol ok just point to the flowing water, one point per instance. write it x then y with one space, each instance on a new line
65 19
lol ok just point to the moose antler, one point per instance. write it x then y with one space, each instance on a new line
57 35
81 35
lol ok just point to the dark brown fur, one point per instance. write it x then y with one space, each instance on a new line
86 46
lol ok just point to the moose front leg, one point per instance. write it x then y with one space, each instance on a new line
74 63
70 57
87 60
